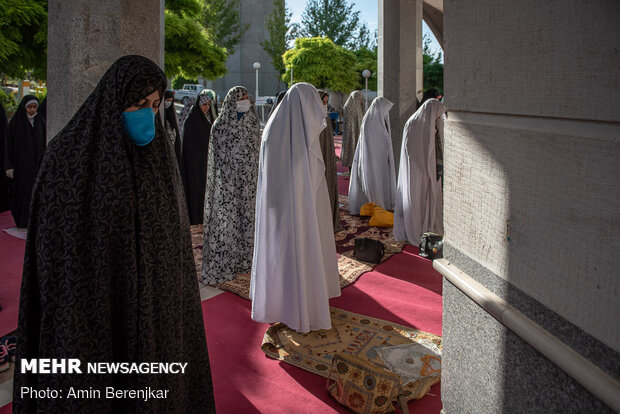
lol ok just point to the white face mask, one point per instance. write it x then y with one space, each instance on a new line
244 106
167 104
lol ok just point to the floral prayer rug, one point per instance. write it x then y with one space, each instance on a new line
354 334
349 268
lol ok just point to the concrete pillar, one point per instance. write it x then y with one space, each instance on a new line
400 61
531 166
85 37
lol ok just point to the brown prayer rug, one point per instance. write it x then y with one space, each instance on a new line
349 268
351 333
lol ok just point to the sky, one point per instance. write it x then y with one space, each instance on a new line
368 13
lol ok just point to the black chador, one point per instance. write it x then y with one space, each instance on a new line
25 145
196 133
109 273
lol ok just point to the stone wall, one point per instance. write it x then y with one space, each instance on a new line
532 160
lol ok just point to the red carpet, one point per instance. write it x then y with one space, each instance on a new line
405 289
12 259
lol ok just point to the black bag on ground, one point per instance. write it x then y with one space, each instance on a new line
431 246
368 250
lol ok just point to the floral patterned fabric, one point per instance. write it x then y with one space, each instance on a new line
108 271
230 199
353 115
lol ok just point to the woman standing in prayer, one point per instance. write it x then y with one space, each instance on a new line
196 133
373 178
109 272
353 115
419 201
329 158
230 199
25 145
295 266
172 128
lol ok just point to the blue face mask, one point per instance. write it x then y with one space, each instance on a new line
140 125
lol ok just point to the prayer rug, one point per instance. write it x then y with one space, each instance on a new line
354 334
349 268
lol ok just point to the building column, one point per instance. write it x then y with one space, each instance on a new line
530 181
400 61
85 37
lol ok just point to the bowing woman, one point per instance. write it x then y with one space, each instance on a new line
108 271
196 133
230 199
25 145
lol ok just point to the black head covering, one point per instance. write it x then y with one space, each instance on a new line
25 145
171 122
430 93
109 273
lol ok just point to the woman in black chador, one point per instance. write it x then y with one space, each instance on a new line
196 133
108 272
25 145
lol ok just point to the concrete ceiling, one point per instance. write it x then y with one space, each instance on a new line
432 12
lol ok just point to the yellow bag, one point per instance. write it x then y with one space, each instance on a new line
382 218
367 209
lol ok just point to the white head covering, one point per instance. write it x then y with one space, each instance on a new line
204 97
419 202
295 267
373 178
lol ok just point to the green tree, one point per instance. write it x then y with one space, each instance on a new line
179 81
221 18
8 103
433 68
321 62
190 49
280 34
366 59
334 19
23 37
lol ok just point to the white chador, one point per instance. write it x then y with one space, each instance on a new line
295 266
373 179
419 201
